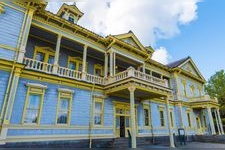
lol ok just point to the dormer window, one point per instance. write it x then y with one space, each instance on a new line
71 19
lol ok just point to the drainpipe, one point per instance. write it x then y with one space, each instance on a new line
153 139
91 116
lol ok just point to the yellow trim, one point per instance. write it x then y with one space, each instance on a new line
37 91
184 87
98 100
69 97
100 67
7 47
11 6
47 51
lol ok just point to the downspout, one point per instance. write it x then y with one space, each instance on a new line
13 67
153 139
91 116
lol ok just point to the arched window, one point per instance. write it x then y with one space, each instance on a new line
71 18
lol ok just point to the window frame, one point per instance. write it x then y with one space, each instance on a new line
99 100
171 118
147 107
35 89
47 51
100 67
64 94
188 113
162 124
77 61
184 87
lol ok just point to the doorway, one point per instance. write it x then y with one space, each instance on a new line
122 124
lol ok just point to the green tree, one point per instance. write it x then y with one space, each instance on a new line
215 87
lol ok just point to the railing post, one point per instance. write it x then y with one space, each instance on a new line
131 71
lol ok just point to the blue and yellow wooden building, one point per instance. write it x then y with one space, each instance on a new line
60 81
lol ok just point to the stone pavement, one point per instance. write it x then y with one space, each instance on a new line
192 145
203 145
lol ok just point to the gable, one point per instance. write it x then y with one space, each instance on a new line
190 67
131 39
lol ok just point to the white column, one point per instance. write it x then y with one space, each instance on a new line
84 59
114 63
211 120
220 122
217 123
143 68
111 63
132 116
25 34
106 65
169 122
56 58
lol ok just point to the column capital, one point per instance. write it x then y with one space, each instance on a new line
131 88
17 72
59 36
85 46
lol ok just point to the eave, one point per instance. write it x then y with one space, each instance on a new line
76 28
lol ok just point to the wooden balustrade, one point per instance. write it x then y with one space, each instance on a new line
66 72
69 73
37 65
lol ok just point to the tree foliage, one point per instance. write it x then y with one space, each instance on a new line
215 87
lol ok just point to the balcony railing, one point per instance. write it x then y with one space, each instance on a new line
203 98
131 72
77 75
38 65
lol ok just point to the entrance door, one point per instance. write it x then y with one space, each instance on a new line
122 126
199 128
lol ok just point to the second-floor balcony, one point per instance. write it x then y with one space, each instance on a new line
94 79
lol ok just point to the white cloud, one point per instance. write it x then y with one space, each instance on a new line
149 20
161 55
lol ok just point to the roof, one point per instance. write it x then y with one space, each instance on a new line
178 62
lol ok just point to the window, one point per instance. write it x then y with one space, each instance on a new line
204 120
162 120
189 119
146 115
98 111
71 19
64 106
98 70
171 118
33 103
192 87
75 63
199 91
44 54
32 109
184 88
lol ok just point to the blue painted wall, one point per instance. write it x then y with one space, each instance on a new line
10 26
4 77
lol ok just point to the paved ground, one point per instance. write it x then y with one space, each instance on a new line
192 145
203 145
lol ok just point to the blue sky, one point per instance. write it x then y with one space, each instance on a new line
202 39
